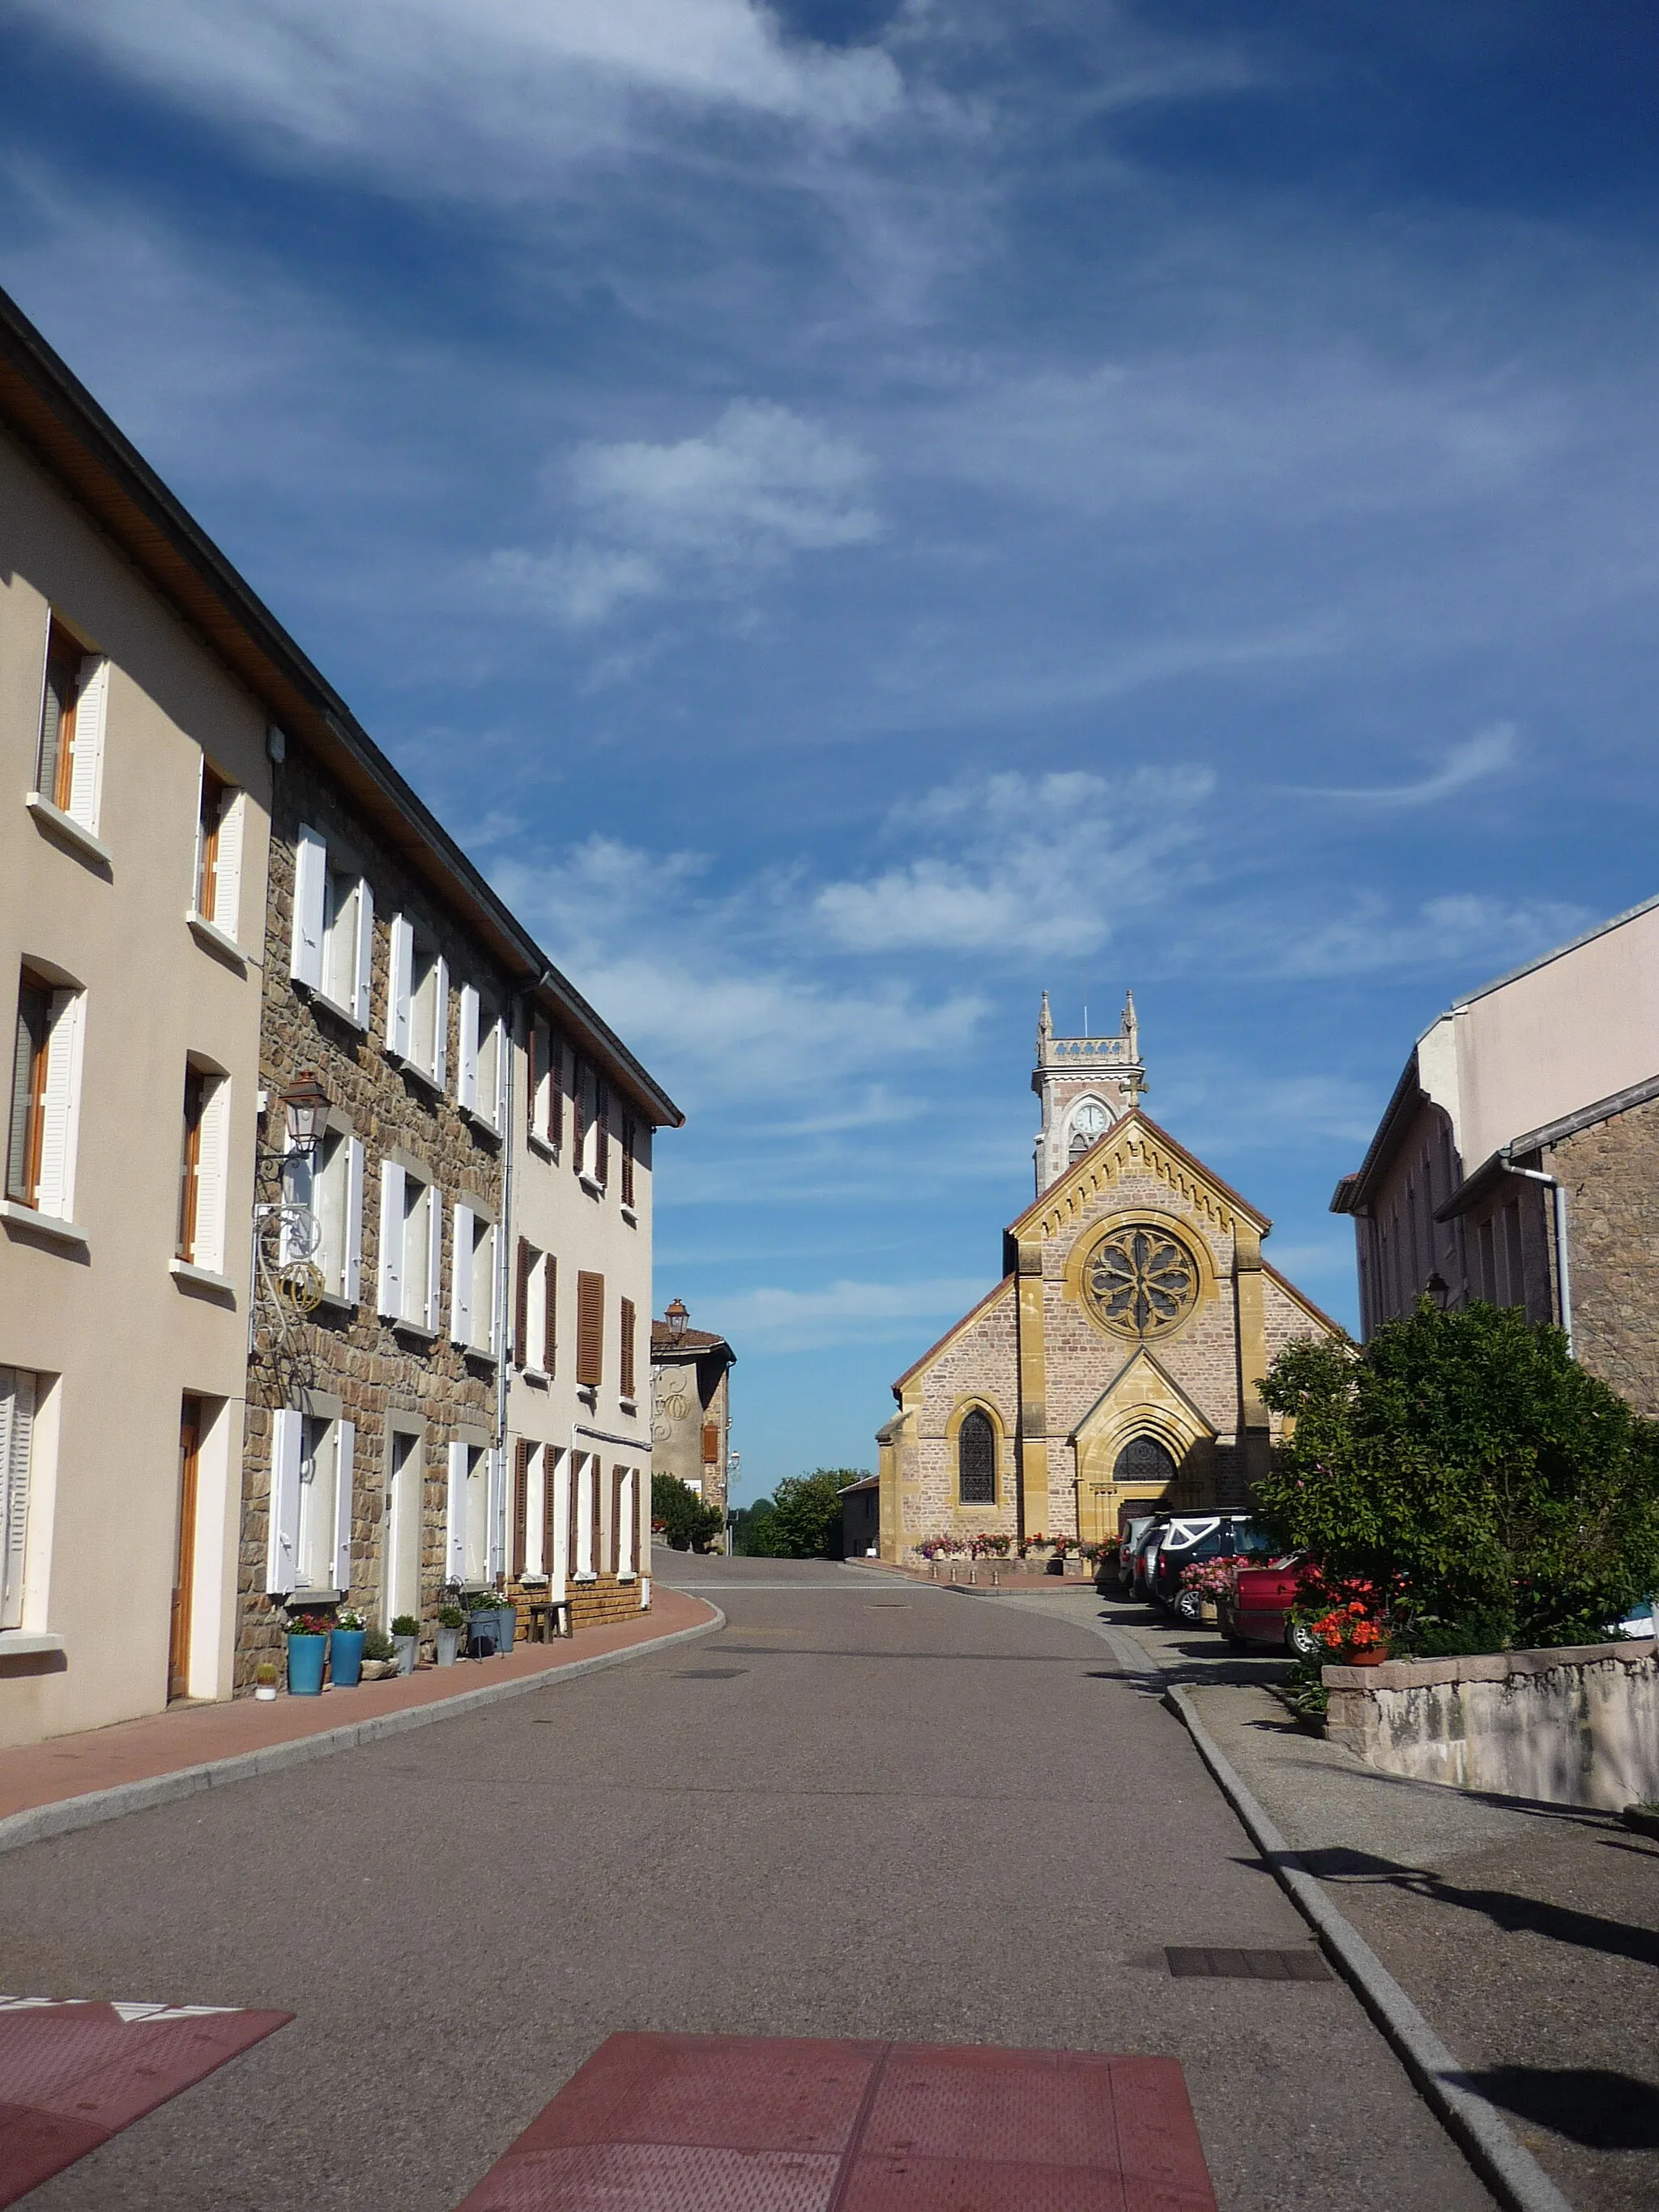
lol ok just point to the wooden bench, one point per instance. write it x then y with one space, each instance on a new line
549 1617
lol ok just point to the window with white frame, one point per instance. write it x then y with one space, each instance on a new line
311 1461
475 1299
332 948
45 1085
543 1085
203 1168
535 1336
20 1395
73 702
412 1247
482 1060
476 1533
417 1001
220 811
328 1182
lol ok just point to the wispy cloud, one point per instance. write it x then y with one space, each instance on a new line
1489 753
1466 934
846 1312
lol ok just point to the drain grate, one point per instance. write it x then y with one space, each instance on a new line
1188 1962
708 1673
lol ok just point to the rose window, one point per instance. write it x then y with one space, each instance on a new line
1141 1281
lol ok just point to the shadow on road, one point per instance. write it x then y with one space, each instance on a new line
1588 2104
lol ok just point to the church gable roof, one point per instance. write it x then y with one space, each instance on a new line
1135 1133
1151 1389
973 1313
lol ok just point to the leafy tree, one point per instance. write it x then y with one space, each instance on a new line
1467 1463
806 1513
751 1531
686 1521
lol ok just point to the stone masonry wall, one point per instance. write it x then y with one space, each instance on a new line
980 1361
348 1352
1611 1177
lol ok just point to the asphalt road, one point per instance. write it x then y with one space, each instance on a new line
892 1811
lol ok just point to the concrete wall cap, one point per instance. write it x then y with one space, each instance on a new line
1484 1667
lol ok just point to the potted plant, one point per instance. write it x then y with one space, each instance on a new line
506 1623
481 1632
264 1680
345 1651
406 1641
379 1658
451 1621
1058 1547
307 1646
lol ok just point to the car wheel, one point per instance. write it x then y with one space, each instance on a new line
1300 1639
1188 1605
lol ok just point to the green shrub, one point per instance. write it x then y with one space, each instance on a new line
680 1517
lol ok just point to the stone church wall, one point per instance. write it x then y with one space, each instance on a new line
981 1363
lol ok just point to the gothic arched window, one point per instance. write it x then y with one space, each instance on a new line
976 1459
1144 1459
1088 1123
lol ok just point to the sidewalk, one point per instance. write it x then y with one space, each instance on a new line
135 1761
992 1577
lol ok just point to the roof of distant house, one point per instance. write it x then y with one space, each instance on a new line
663 1339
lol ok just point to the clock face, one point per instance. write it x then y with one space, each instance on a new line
1141 1281
1089 1121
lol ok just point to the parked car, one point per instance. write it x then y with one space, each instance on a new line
1114 1572
1145 1555
1261 1613
1192 1537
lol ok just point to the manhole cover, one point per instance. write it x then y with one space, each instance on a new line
708 1673
1187 1962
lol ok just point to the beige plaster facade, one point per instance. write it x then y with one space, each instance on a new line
691 1407
107 1334
1118 1361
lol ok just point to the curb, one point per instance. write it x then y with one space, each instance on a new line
93 1806
1509 2170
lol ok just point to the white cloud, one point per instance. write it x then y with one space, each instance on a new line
846 1312
1490 752
478 96
1466 931
1040 863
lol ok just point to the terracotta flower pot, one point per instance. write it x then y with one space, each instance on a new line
1375 1658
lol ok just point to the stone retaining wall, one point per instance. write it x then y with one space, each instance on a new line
1576 1726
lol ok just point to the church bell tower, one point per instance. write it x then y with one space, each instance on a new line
1085 1084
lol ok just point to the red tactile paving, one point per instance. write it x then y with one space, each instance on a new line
757 2124
74 2075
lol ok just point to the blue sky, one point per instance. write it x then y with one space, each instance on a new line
856 514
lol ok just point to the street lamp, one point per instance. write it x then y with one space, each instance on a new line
676 1317
305 1110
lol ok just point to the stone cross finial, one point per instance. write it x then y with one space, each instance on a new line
1131 1027
1045 1023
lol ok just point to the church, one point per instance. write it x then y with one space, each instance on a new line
1116 1366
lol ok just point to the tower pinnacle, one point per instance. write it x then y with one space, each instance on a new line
1085 1084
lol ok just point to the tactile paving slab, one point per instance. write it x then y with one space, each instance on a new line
762 2123
73 2074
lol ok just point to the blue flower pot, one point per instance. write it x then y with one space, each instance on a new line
305 1665
506 1627
345 1657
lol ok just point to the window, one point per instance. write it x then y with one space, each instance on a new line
70 763
590 1330
481 1060
629 1137
19 1395
711 1445
477 1509
532 1310
411 1247
203 1166
976 1459
626 1348
401 1587
329 1184
311 1499
219 853
524 1459
1089 1123
45 1084
556 1535
1144 1459
417 1002
333 948
542 1101
475 1300
547 1323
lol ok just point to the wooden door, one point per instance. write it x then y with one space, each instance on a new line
184 1567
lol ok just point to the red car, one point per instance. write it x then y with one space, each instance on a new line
1262 1612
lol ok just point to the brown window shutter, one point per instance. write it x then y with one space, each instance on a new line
590 1330
602 1134
614 1548
711 1443
577 1087
532 1071
521 1306
550 1505
627 1348
550 1316
627 1162
555 1089
522 1508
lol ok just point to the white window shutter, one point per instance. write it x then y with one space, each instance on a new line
227 874
310 896
345 1452
460 1282
466 1072
503 1073
214 1170
16 1439
434 1259
391 1239
497 1302
63 1081
399 977
455 1533
287 1443
497 1563
351 1269
440 1022
91 714
365 986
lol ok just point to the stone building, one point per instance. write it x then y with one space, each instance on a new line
1117 1364
132 879
691 1405
1517 1160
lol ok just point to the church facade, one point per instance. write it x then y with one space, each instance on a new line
1116 1366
